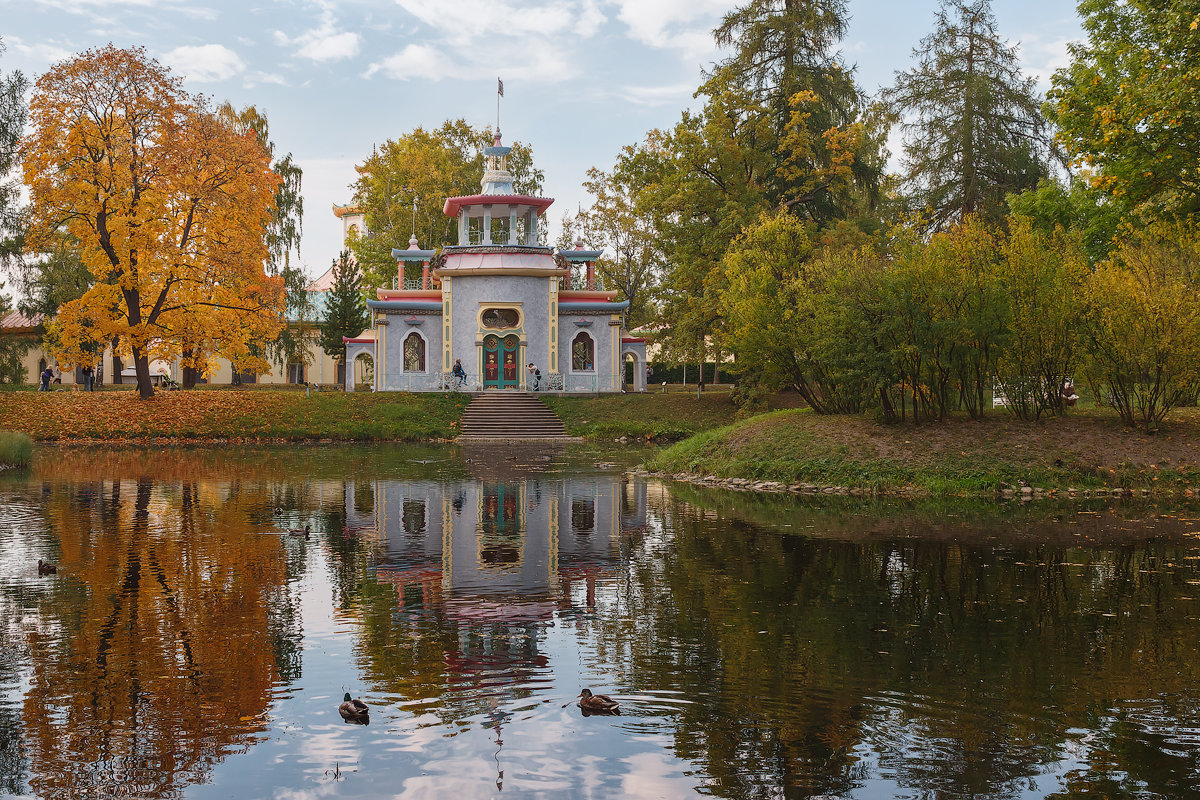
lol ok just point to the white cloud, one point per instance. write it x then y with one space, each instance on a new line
257 78
474 39
676 24
209 62
42 51
326 42
1041 56
677 94
414 61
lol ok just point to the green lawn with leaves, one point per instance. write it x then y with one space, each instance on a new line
1087 449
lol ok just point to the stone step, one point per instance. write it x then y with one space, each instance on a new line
503 415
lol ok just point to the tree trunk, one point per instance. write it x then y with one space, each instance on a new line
190 374
141 365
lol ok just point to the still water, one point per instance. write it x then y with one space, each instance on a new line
189 647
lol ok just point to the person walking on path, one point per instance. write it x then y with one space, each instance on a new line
46 376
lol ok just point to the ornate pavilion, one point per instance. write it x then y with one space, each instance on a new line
498 301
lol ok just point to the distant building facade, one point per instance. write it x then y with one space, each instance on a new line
497 303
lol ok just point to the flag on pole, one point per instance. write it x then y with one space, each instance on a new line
500 87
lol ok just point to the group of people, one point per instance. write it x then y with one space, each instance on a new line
87 373
460 375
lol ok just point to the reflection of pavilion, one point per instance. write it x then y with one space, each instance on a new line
495 559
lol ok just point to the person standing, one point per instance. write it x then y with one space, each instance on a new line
535 375
460 375
46 376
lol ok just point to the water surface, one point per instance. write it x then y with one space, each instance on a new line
780 647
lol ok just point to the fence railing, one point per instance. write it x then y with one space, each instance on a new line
477 382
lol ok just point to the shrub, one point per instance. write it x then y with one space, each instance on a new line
16 449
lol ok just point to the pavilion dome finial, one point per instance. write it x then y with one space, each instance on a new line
496 177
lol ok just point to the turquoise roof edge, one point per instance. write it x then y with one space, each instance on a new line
568 305
581 255
412 255
405 305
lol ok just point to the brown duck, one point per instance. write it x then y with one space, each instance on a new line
46 568
598 703
355 711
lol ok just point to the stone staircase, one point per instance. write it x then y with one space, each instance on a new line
509 415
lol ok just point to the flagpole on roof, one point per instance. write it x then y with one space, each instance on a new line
499 94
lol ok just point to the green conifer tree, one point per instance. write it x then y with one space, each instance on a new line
345 311
974 131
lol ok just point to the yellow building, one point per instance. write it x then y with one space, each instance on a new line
115 368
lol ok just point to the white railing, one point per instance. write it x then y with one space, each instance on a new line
436 381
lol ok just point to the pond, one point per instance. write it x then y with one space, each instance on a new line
189 646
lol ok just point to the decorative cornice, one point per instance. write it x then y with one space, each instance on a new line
456 249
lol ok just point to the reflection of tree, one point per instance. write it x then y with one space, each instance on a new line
962 665
158 666
12 761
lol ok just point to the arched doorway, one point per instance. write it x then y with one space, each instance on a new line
362 372
633 364
630 372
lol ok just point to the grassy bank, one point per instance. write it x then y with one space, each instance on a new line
1085 450
238 415
652 415
16 449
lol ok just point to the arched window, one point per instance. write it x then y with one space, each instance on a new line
414 353
583 353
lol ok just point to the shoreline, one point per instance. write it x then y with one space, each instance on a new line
1020 493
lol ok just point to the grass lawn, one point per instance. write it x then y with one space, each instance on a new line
650 415
258 414
1089 448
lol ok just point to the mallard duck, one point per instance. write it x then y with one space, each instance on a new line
598 703
354 710
298 532
46 568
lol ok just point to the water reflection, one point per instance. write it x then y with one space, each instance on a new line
147 654
760 648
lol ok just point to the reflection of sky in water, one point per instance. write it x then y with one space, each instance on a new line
988 656
408 751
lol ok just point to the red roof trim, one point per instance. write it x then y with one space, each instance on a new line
348 340
632 340
453 204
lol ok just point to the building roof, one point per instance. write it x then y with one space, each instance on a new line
16 322
349 208
453 204
323 283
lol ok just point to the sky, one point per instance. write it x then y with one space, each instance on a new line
582 78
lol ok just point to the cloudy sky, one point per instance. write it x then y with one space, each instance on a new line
582 77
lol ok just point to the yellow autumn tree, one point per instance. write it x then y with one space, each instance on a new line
169 203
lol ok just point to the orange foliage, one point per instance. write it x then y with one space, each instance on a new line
169 204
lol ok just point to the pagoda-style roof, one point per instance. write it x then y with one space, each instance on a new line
349 209
454 204
578 256
413 253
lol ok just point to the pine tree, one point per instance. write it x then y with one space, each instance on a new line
974 131
345 312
